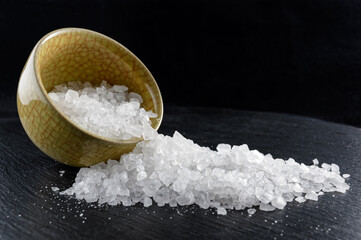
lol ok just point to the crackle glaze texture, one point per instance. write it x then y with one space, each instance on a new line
73 54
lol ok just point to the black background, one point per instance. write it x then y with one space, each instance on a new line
300 57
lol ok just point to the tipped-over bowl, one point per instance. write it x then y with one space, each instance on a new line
73 54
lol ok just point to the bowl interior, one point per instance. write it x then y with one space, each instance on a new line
83 55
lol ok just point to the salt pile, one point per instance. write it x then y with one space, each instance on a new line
109 111
176 171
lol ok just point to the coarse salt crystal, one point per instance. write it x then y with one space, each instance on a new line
147 202
312 196
278 202
300 199
266 207
251 211
221 211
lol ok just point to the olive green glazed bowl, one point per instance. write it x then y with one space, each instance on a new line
73 54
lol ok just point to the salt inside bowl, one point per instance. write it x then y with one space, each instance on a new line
74 54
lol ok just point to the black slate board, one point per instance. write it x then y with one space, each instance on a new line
29 209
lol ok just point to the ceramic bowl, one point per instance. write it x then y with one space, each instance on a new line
73 54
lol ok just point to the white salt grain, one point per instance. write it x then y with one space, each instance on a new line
300 199
141 175
266 207
278 202
109 111
221 211
312 196
346 175
55 189
251 211
335 168
147 202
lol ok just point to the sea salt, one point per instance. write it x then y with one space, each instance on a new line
147 202
251 211
176 171
300 199
266 207
312 195
221 211
166 169
109 111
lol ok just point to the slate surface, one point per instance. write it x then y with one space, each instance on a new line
30 210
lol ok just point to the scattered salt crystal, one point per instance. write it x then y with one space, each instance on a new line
109 111
315 162
221 211
251 211
147 202
278 202
312 196
300 199
326 166
346 175
55 189
266 207
335 168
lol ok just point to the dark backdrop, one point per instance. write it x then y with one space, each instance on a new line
301 57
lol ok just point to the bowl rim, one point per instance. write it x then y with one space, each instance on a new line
83 130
